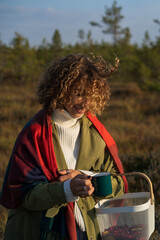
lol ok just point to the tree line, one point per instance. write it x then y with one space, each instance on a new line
21 63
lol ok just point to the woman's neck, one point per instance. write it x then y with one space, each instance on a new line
63 118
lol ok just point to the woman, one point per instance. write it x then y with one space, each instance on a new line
46 186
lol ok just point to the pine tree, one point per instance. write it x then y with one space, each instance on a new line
56 40
111 22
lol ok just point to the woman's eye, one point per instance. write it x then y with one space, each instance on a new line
80 94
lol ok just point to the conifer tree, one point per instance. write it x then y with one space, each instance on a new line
56 40
111 22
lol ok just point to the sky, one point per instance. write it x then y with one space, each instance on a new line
38 19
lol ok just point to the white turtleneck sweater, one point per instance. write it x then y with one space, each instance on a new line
68 129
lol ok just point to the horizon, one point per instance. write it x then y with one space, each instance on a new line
36 20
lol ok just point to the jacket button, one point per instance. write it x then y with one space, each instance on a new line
91 238
82 207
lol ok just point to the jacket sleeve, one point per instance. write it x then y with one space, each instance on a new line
44 196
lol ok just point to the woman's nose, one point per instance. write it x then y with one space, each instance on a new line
85 101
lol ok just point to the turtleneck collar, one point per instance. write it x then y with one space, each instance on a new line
63 118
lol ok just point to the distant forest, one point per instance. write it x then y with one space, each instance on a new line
20 63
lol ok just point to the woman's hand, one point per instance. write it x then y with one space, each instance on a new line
80 184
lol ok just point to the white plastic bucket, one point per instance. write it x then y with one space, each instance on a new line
130 216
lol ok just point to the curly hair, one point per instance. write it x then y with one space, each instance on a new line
68 74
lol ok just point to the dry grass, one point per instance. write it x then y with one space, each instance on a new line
17 105
133 119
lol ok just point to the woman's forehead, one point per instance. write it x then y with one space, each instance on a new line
79 86
81 83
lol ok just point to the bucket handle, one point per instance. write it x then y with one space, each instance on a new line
142 175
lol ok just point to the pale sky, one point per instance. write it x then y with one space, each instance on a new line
38 19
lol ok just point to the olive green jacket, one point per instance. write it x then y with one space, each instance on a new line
24 222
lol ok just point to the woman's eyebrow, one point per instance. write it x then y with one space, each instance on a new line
80 91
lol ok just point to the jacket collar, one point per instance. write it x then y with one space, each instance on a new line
89 146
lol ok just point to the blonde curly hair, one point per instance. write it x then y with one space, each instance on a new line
67 74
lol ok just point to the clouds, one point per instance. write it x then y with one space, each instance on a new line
30 22
37 23
50 10
19 19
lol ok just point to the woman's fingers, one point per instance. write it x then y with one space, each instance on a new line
81 186
63 172
67 174
86 191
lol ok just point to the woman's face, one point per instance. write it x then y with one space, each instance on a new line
78 105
